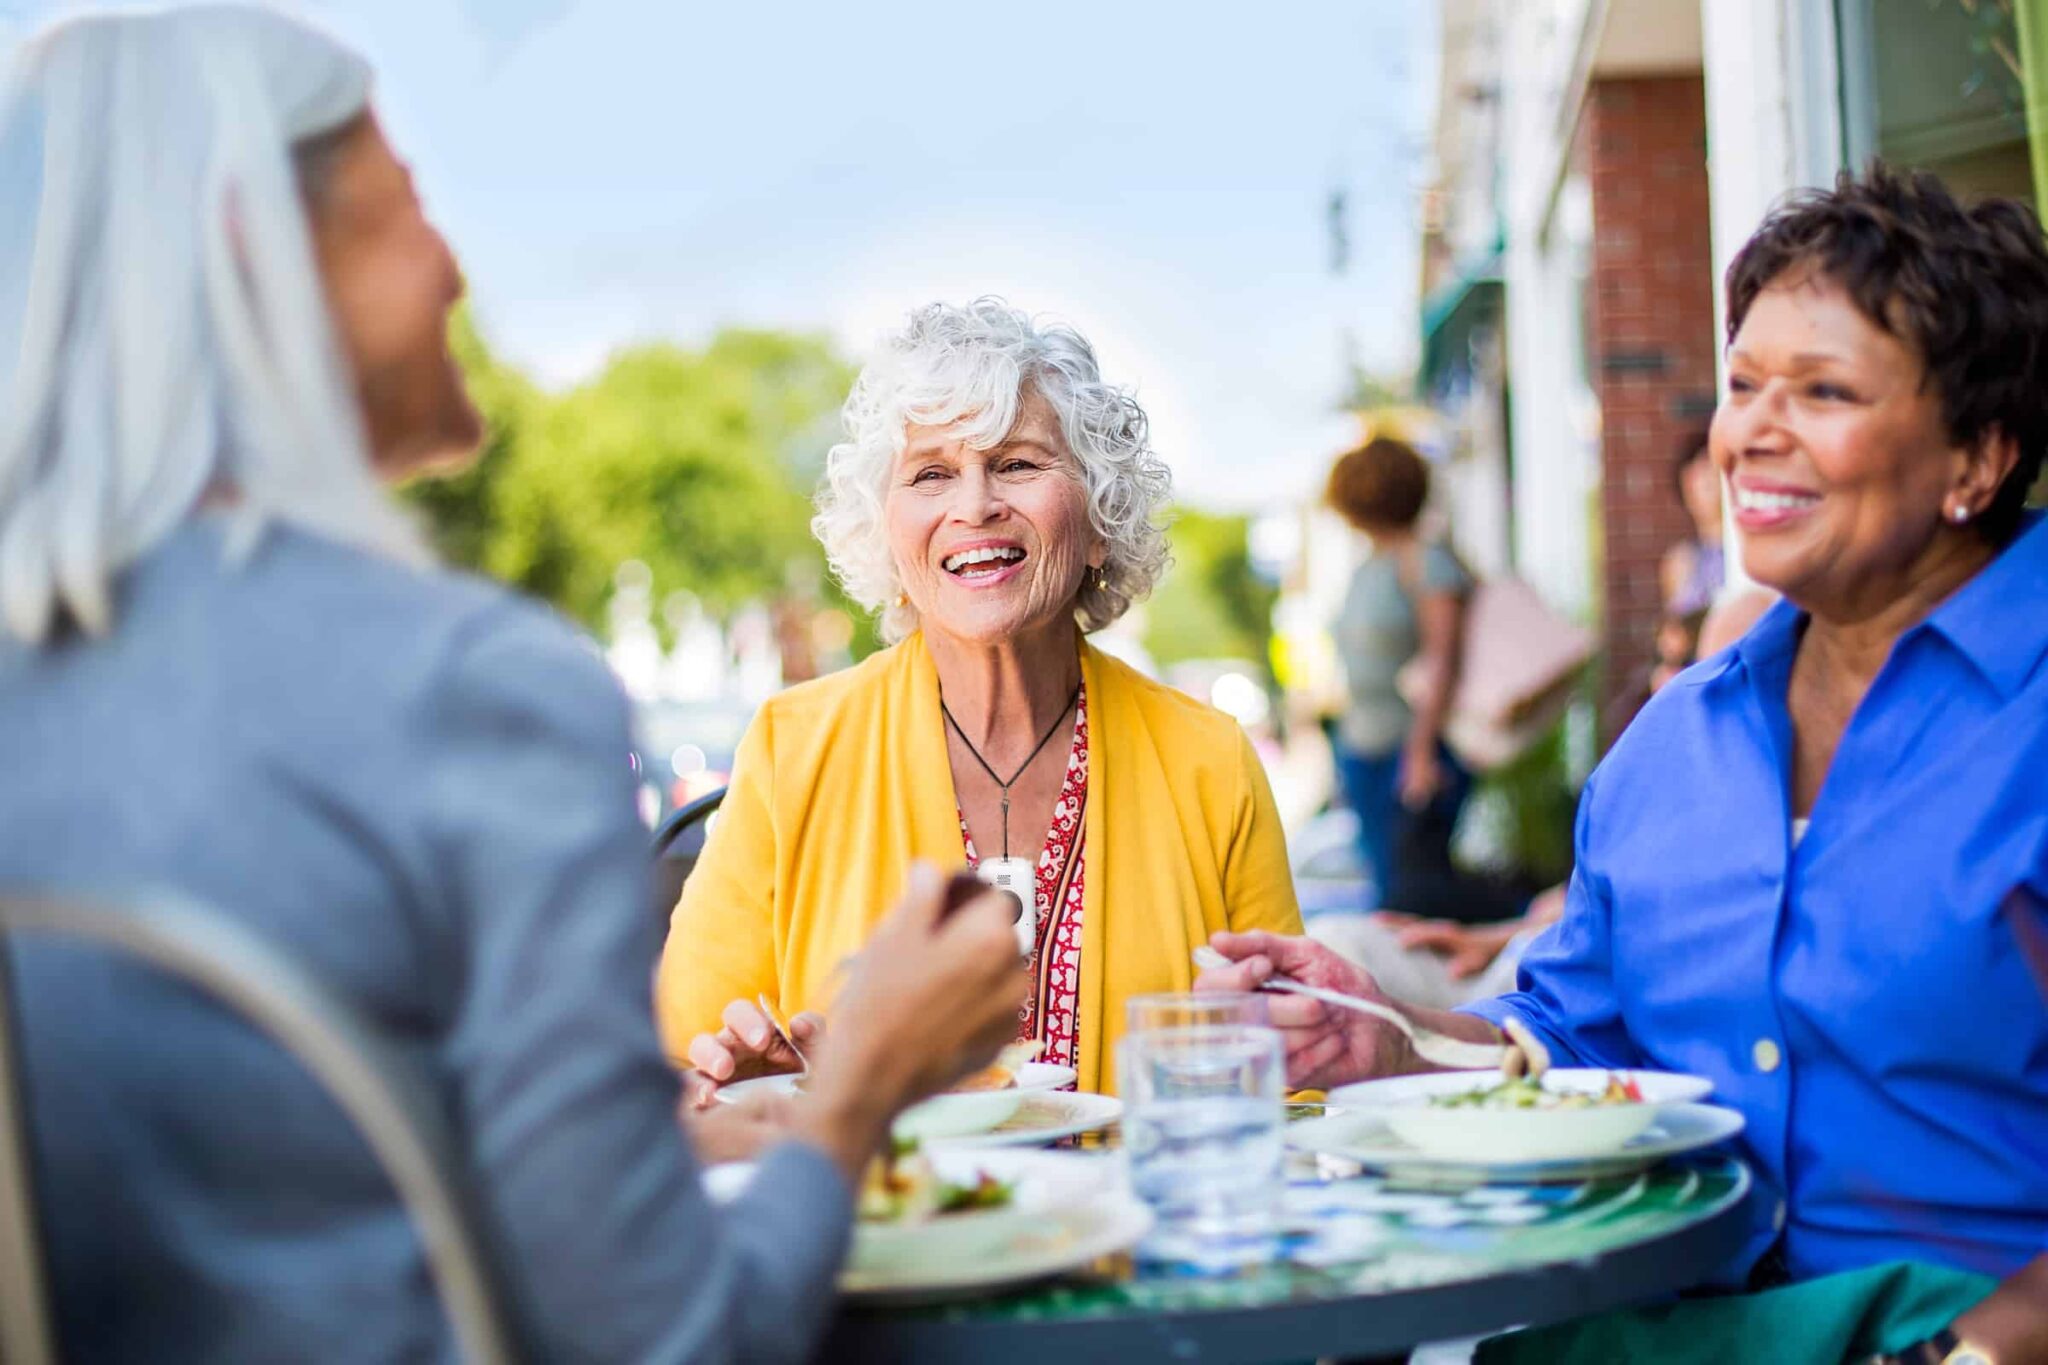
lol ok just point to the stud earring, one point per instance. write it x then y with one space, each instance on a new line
902 599
1959 514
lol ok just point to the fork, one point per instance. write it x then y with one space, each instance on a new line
782 1032
1430 1045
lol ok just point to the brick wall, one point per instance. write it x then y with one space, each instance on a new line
1651 332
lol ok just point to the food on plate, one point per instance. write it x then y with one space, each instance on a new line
1526 1093
1000 1074
902 1186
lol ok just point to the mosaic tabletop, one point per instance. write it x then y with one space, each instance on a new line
1370 1262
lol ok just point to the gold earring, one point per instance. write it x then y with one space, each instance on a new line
902 599
1101 579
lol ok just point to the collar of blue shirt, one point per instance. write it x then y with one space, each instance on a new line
1998 620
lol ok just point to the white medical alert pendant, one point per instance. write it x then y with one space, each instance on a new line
1020 878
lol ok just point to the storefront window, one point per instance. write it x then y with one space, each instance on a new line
1957 87
1948 86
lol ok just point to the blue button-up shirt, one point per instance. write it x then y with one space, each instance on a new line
1874 1000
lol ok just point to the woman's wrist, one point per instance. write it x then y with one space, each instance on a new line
845 1120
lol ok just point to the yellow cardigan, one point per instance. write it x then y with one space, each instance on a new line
841 782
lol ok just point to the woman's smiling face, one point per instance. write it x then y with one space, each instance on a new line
1831 440
990 544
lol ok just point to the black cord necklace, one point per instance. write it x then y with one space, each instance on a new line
1003 786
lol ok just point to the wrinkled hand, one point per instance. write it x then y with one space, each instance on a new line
737 1132
928 1001
748 1046
1326 1046
1422 776
1468 949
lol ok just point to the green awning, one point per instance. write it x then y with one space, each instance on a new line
1451 312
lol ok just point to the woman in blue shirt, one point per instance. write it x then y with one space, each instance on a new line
1815 869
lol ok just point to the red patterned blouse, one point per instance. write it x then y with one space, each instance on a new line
1048 1014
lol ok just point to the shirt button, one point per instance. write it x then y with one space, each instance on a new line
1767 1055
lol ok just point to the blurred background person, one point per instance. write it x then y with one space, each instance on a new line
1693 571
1405 606
1674 647
223 319
996 500
1692 574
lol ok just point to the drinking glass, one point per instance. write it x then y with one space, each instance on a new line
1189 1009
1202 1132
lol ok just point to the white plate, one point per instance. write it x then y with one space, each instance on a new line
1045 1076
963 1113
1069 1209
1476 1135
942 1116
1363 1137
1072 1239
1046 1184
759 1085
1042 1117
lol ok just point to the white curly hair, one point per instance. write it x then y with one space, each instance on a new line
968 367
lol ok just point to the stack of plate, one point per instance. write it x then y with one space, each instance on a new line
1037 1110
1066 1210
1395 1127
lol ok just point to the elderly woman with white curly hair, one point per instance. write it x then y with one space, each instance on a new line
995 500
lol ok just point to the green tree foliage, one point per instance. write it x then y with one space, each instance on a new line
699 463
1210 605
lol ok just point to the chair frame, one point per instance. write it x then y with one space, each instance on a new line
381 1090
670 869
685 818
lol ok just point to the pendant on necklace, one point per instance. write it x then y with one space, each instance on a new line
1019 878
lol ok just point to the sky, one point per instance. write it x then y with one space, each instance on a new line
1156 174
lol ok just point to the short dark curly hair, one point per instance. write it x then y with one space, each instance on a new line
1965 286
1381 485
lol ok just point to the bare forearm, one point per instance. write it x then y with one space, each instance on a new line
847 1124
1443 621
2012 1325
1428 724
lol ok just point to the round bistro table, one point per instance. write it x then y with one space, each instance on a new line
1365 1268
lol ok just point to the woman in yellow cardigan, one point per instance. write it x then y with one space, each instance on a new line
996 499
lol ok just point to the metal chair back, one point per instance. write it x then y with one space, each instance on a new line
677 842
381 1089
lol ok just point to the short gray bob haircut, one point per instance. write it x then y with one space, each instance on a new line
968 367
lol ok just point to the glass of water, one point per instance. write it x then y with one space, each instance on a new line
1202 1132
1189 1009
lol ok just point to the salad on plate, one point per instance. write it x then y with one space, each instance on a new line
903 1186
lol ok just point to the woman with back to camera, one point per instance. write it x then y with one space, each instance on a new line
1405 606
223 319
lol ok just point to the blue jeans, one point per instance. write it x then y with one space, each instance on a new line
1370 784
1408 852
